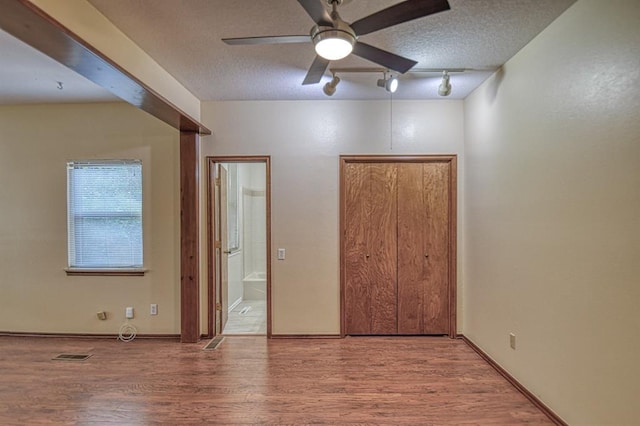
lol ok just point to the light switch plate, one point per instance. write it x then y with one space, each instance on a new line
281 254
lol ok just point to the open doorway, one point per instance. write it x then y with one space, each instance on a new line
239 246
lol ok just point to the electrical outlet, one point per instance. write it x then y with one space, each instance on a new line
512 341
128 312
154 309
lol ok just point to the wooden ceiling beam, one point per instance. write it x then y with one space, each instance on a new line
25 21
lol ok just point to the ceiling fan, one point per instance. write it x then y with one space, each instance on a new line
335 39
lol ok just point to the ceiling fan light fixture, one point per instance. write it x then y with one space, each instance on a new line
445 86
330 88
389 84
334 39
333 43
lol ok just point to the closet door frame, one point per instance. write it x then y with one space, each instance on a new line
452 247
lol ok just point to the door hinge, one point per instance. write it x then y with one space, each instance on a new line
217 244
217 181
218 307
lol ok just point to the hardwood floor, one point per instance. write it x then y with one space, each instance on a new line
252 380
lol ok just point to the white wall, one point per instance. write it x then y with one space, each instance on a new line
304 140
552 207
36 295
235 266
236 260
254 219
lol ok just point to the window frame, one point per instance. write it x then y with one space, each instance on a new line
134 270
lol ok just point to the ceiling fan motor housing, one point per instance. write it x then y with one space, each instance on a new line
340 32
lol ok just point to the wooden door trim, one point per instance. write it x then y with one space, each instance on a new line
453 248
453 193
211 265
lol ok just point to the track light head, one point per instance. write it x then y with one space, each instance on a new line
445 87
330 88
389 84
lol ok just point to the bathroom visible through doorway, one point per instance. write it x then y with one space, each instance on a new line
239 256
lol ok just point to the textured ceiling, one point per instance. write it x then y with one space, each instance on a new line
184 37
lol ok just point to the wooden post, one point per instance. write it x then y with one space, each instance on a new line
189 232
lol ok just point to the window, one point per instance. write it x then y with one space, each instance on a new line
104 214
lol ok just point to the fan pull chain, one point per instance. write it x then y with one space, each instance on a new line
391 122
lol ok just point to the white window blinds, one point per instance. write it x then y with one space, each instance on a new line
104 214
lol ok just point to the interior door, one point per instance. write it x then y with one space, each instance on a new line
383 241
436 230
356 252
423 244
222 287
412 255
370 255
398 246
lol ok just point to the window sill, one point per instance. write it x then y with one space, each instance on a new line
127 272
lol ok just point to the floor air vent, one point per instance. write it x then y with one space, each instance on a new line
214 343
71 357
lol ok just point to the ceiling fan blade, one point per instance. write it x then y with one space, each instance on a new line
316 10
316 71
397 14
382 57
268 40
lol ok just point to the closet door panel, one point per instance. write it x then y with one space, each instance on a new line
357 289
411 249
436 183
397 247
382 248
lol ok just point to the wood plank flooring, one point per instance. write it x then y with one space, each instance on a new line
252 380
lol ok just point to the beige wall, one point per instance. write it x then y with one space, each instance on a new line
552 201
304 140
35 293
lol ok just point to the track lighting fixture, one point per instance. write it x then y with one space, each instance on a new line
330 88
445 87
390 84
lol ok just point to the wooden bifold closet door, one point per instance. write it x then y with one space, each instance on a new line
396 247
